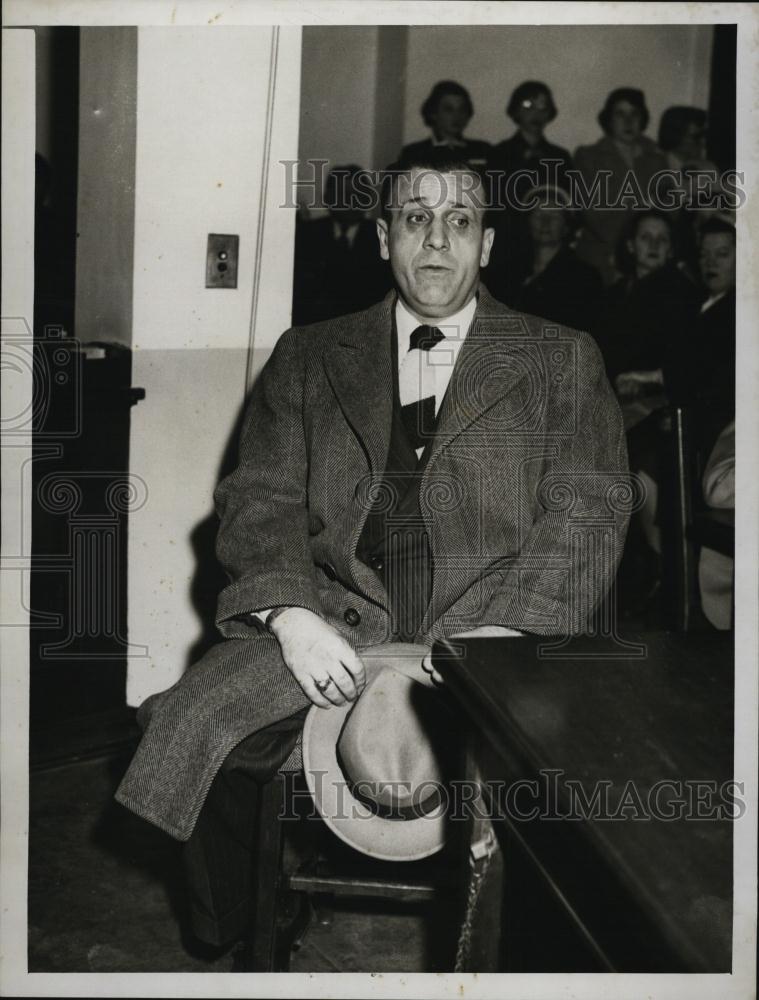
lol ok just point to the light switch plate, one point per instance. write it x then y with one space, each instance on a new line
221 260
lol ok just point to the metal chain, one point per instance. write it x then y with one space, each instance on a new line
479 866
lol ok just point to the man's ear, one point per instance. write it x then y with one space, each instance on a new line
487 245
382 234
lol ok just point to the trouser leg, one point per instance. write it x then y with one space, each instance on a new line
218 857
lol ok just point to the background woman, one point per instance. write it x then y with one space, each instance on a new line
622 151
447 112
558 285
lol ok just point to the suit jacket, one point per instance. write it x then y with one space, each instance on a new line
522 495
602 227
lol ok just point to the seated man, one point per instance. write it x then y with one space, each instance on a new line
337 268
431 466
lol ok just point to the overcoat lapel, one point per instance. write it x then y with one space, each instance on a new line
485 372
359 371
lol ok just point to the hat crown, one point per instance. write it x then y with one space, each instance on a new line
389 747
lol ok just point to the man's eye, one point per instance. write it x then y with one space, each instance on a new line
460 221
416 217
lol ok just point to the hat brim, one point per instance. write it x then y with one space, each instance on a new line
347 817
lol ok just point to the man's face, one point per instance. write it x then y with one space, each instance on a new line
717 262
435 241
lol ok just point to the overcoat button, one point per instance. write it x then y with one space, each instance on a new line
352 617
329 571
376 563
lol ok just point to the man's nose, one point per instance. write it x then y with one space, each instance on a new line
437 237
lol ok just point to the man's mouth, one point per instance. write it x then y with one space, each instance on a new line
434 267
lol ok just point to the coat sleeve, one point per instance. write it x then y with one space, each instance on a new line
569 557
263 536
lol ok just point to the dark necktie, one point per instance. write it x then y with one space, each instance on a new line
424 338
419 416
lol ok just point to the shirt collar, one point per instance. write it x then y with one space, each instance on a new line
454 327
350 231
453 143
707 304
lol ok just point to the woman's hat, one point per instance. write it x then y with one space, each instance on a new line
377 767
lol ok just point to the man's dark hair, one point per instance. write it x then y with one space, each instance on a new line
716 225
630 94
336 183
440 159
674 122
442 89
525 92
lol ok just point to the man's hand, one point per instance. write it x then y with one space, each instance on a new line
316 654
481 632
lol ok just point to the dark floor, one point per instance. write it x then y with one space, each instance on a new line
105 894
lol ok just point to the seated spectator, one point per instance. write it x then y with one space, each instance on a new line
447 112
559 286
531 107
338 268
641 322
626 156
704 378
644 313
715 569
682 137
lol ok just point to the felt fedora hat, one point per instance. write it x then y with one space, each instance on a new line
377 767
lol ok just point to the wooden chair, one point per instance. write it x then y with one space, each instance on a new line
289 891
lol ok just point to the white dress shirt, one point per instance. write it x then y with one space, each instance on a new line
427 373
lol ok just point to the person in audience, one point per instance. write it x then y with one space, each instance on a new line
623 159
715 569
558 286
337 268
642 315
447 112
523 161
640 326
704 378
682 137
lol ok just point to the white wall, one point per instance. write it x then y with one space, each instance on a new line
339 71
580 64
201 144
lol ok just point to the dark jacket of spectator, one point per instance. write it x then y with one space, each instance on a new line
475 152
515 154
704 377
641 323
338 269
565 292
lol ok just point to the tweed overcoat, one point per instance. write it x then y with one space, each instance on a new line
525 497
